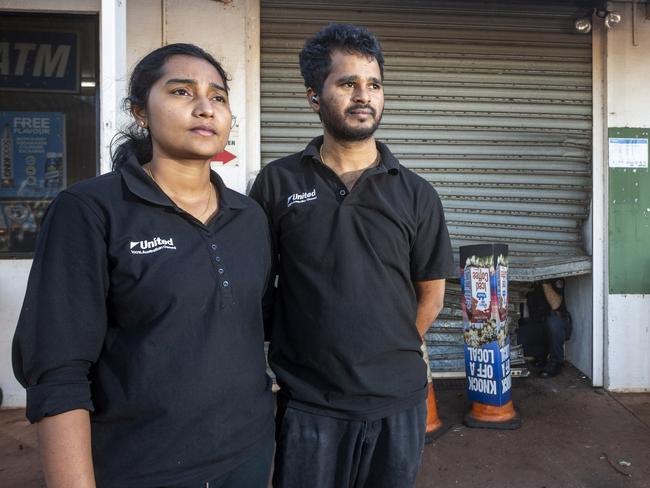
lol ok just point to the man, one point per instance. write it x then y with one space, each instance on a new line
546 303
363 255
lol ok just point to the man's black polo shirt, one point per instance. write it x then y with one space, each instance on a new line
344 341
151 320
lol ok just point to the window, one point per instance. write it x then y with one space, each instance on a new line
49 106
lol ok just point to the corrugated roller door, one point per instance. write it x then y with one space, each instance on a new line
489 101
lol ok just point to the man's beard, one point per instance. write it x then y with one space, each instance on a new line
336 126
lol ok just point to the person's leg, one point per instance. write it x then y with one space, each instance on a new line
392 453
531 334
556 334
315 451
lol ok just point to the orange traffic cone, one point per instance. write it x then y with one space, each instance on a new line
492 417
435 426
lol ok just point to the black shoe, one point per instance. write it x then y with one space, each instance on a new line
539 363
550 371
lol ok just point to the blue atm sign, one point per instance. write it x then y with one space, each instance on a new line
39 61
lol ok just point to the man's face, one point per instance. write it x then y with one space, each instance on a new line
352 101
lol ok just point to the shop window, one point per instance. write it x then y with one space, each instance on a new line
49 106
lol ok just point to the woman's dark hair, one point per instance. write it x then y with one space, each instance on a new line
135 140
316 55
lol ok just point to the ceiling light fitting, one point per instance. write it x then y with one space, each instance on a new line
583 25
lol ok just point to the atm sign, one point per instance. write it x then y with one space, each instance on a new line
39 60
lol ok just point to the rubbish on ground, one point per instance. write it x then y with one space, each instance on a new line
616 468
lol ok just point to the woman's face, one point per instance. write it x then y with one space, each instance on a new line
187 113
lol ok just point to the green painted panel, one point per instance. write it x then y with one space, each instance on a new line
629 224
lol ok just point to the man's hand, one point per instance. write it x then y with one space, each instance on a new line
430 296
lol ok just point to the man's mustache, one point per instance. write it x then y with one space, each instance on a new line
352 108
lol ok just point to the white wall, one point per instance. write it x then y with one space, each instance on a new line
12 290
579 348
628 105
628 343
628 70
231 33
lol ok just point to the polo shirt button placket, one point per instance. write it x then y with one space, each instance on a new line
221 270
226 286
212 248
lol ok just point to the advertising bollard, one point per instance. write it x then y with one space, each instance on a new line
484 286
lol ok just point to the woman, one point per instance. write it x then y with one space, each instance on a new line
140 340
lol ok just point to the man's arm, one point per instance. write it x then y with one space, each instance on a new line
64 441
553 298
430 296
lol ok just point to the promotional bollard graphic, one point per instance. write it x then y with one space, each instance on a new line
484 286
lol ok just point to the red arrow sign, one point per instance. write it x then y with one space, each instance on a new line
224 157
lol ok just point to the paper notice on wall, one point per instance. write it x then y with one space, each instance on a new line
628 152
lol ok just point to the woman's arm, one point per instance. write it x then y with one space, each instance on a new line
65 450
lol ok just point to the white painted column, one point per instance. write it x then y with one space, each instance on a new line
253 91
112 72
599 200
627 316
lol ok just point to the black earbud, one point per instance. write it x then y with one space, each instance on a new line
314 98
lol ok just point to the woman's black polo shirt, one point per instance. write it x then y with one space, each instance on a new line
151 320
344 341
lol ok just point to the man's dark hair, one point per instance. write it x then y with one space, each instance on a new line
316 55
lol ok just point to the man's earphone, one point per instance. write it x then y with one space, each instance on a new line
314 99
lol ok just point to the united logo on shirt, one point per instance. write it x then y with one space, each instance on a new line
154 245
301 197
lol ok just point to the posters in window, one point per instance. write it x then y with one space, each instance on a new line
32 172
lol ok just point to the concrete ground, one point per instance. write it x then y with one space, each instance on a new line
572 436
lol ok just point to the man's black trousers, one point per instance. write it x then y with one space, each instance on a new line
318 451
